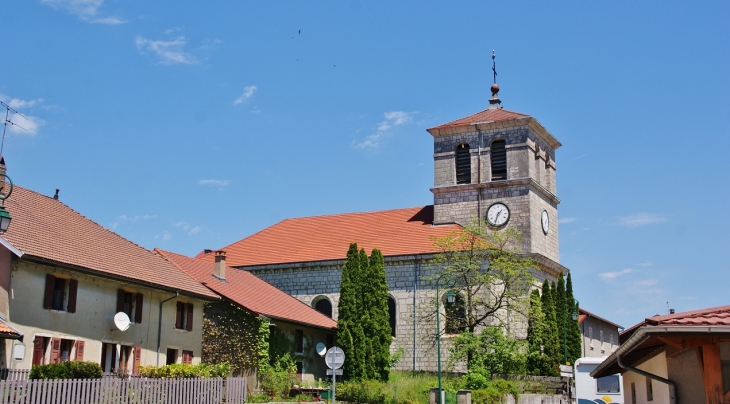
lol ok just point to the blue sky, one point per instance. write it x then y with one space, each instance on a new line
189 125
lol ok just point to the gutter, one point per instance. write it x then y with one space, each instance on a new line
159 327
673 398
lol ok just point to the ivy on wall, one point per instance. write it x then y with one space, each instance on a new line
233 335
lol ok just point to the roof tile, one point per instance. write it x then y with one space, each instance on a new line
488 115
46 228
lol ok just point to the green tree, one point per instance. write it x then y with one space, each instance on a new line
560 316
552 344
538 363
375 318
350 335
492 351
574 339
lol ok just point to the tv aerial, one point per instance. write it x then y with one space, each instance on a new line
8 110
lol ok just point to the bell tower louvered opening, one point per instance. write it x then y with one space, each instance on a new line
463 164
498 156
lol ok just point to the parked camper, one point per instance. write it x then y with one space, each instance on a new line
603 390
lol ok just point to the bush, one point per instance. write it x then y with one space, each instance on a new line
476 379
364 392
179 370
67 370
495 393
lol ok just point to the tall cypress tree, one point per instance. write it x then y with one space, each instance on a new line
574 339
552 347
560 314
538 363
376 325
350 335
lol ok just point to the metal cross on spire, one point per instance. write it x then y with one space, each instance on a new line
494 67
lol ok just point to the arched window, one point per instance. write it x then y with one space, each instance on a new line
455 314
323 305
463 164
498 155
391 315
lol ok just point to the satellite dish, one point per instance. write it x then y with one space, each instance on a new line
121 320
321 349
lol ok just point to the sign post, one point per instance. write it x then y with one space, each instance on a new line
334 358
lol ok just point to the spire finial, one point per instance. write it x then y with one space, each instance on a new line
494 102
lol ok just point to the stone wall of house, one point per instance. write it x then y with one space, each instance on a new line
407 276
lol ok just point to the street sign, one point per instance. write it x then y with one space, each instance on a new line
566 374
566 368
334 372
334 358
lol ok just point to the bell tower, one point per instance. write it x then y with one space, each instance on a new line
498 165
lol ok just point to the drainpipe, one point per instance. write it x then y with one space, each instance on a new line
673 399
416 263
159 326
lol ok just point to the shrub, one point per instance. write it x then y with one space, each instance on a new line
364 392
67 370
180 370
476 379
495 393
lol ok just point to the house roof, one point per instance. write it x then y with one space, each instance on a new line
320 238
583 314
8 331
251 292
486 116
47 229
650 336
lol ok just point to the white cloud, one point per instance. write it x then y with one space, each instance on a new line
247 93
392 119
169 52
615 274
87 10
17 103
645 264
214 183
647 282
23 123
640 219
567 220
130 219
191 230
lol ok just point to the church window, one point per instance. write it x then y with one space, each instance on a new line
391 315
323 306
498 156
463 164
455 314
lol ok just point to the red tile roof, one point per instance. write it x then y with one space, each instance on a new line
7 331
488 115
251 292
321 238
583 314
718 316
45 228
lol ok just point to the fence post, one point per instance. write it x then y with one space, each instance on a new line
463 397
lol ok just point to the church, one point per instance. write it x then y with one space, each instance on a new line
496 164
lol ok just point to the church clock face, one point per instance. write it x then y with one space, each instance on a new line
498 214
545 220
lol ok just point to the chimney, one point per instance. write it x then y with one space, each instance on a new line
220 265
56 196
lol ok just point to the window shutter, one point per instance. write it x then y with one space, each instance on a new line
138 308
55 350
137 359
48 297
189 325
80 350
178 317
120 300
38 351
463 164
498 156
73 286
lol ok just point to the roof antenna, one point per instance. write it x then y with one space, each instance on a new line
8 109
494 102
671 311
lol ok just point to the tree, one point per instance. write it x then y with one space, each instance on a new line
552 344
538 363
490 277
363 330
493 352
574 339
560 317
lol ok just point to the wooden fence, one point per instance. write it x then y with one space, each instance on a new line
14 374
124 391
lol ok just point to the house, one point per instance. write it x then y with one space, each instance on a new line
63 278
302 325
496 164
599 337
680 357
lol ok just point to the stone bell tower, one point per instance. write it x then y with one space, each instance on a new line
498 165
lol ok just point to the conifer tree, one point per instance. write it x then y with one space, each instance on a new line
574 339
538 363
377 326
350 335
552 346
560 317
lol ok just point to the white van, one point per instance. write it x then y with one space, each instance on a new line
603 390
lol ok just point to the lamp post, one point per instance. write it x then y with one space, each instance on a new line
4 215
450 298
574 316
